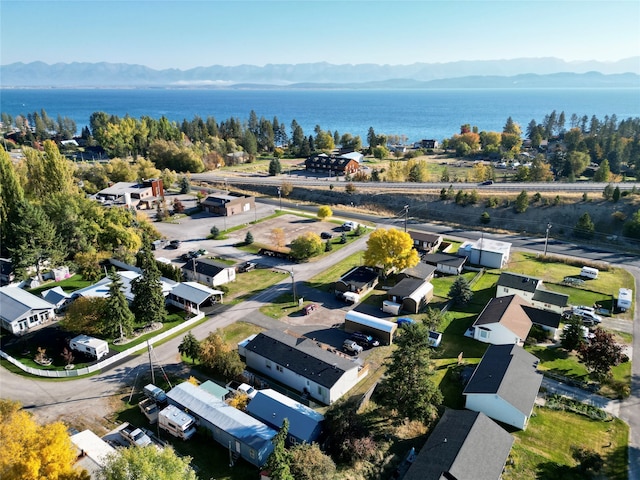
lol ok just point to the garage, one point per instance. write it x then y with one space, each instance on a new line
379 328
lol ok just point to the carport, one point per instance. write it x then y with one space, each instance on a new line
383 330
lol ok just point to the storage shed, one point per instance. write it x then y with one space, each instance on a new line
411 293
381 329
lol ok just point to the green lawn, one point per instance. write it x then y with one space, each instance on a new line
69 285
541 452
325 280
251 283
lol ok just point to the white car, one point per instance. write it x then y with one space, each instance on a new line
351 346
587 314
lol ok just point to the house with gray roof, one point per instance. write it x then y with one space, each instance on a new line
422 271
208 272
425 241
21 311
271 407
532 290
358 280
504 385
242 434
301 364
332 164
448 264
464 445
191 296
57 297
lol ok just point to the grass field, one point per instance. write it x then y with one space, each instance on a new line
541 452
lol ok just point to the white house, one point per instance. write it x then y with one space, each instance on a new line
486 252
92 450
208 272
504 385
20 310
502 321
303 366
101 288
531 289
448 264
191 296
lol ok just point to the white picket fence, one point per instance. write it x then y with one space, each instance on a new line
105 363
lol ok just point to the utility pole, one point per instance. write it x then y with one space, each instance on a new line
546 239
406 216
293 286
280 197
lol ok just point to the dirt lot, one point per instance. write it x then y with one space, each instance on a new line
292 225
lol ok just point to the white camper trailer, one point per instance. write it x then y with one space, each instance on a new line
589 272
93 346
625 296
178 423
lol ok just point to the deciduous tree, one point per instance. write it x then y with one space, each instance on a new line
391 250
522 202
324 212
84 315
307 245
35 452
147 463
308 462
600 353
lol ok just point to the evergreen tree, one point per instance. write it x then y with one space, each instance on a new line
460 291
603 173
408 386
118 319
278 463
275 168
248 238
571 337
522 202
616 194
190 347
584 228
148 303
607 193
185 184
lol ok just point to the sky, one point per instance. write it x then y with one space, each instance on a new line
185 34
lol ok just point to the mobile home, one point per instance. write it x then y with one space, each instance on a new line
624 299
92 346
589 272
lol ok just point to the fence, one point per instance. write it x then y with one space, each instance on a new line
105 363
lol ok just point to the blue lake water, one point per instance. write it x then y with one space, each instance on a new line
416 114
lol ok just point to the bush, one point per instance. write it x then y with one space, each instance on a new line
215 232
485 218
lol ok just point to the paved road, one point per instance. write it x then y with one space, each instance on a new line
52 399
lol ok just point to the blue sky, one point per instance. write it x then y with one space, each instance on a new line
187 34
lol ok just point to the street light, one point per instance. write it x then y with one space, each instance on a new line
546 239
280 197
293 285
406 215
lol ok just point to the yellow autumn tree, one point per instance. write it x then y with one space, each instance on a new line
35 452
391 250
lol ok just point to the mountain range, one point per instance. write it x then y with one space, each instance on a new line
515 73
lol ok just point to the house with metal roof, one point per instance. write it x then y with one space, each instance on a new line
93 452
486 252
141 195
424 241
464 445
502 321
57 297
444 263
411 293
21 311
532 290
383 330
191 296
208 272
504 385
271 407
101 288
243 435
214 389
302 365
422 271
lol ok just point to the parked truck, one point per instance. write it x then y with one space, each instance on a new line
135 436
178 423
149 409
155 393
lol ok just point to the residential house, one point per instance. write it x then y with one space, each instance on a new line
208 272
428 144
235 430
425 242
464 445
143 195
101 288
504 385
503 321
357 156
412 293
92 452
332 164
303 366
57 297
545 319
447 264
271 407
227 204
486 252
421 271
359 280
532 290
21 311
192 296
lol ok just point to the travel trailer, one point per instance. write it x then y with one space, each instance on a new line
178 423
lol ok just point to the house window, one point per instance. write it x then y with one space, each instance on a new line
252 453
484 334
506 290
279 368
268 364
320 390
